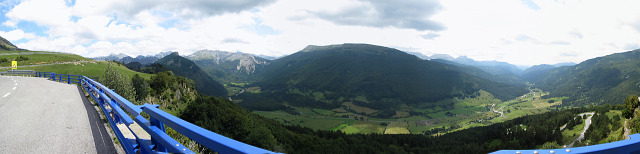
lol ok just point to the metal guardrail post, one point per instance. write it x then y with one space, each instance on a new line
160 126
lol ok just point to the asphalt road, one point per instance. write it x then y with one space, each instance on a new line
42 116
587 123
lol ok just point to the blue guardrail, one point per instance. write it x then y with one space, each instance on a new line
114 107
631 145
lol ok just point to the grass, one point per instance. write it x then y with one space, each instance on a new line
90 69
40 57
397 128
321 124
364 127
318 96
469 112
233 90
255 90
339 127
401 114
359 109
341 110
323 112
239 84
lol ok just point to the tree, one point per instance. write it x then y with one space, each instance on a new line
121 85
631 103
141 87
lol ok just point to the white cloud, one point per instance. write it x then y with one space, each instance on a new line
17 34
521 32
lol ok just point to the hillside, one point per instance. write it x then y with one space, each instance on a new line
478 71
534 72
5 45
373 76
184 67
228 67
602 80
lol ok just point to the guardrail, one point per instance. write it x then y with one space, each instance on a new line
19 72
114 107
631 145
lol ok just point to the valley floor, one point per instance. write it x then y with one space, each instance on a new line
467 113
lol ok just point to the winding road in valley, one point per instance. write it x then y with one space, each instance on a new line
587 123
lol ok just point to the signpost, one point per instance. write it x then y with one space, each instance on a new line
14 65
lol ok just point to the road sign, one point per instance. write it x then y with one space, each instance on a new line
14 65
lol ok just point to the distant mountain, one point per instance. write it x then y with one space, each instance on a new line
162 54
602 80
126 59
112 57
533 72
229 67
564 64
419 55
184 67
442 56
493 67
478 72
375 76
267 57
7 46
144 60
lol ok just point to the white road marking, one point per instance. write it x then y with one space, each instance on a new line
14 88
16 84
5 95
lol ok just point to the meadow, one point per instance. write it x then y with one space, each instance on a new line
481 110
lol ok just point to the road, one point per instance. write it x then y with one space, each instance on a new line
587 123
42 116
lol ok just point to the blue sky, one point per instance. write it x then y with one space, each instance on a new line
524 32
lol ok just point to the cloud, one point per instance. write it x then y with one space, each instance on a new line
576 34
410 14
16 35
560 43
234 40
430 36
530 4
631 46
527 38
185 9
569 54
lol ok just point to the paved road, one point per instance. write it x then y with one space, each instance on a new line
587 123
42 116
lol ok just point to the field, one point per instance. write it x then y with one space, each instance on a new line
40 57
90 69
75 65
481 110
359 109
397 128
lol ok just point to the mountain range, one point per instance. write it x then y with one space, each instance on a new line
372 76
229 67
186 68
327 75
602 80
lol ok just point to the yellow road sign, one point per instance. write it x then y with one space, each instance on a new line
14 65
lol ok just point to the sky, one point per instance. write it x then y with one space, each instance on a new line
522 32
